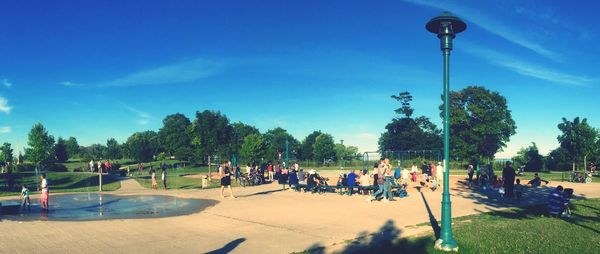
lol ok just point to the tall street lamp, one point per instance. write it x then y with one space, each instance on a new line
446 26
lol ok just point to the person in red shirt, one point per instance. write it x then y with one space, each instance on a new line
140 167
107 165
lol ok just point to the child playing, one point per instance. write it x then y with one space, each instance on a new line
25 197
518 190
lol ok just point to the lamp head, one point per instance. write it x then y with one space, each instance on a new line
446 24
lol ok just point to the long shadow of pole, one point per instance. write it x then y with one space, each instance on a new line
432 220
228 247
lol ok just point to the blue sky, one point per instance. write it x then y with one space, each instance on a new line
100 69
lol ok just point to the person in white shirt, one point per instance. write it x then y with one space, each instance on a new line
44 188
405 175
92 166
439 171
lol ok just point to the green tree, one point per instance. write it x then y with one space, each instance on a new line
93 152
142 146
60 151
407 133
558 160
351 152
41 146
240 132
306 148
480 123
72 147
113 149
340 152
211 135
276 143
175 138
254 148
324 148
578 139
6 153
530 158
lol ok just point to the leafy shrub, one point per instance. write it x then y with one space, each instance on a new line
58 168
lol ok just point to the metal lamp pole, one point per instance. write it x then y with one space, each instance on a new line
446 26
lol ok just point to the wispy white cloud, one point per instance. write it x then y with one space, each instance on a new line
143 118
5 129
69 84
492 25
4 106
526 68
6 83
180 72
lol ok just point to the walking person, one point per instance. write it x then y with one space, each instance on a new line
153 175
140 168
163 177
388 180
508 175
379 180
45 194
225 175
25 201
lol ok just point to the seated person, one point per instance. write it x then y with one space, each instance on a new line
557 202
311 182
536 181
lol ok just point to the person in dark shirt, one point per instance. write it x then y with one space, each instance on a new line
351 182
508 175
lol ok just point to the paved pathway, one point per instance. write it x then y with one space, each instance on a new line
263 219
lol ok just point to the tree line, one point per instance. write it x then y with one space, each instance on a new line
210 134
481 125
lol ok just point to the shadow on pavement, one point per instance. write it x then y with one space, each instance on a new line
434 224
385 240
228 247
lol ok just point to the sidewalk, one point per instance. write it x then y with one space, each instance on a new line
262 219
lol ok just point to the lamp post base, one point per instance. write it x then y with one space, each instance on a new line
450 246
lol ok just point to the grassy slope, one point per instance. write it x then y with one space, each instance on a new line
61 182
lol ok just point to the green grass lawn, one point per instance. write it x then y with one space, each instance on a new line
518 230
176 178
59 182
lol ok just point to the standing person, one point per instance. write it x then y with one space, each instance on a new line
351 182
439 170
379 180
91 166
376 175
508 175
225 180
100 167
25 197
277 171
163 177
293 180
433 170
283 177
388 180
405 176
140 168
107 165
45 194
470 172
270 169
153 176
